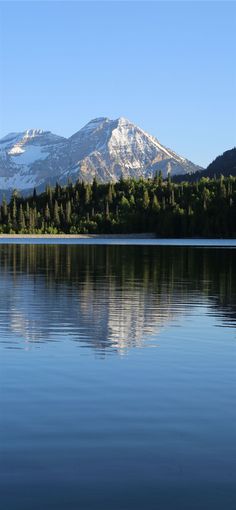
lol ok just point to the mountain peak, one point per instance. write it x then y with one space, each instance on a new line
32 133
39 137
95 123
122 121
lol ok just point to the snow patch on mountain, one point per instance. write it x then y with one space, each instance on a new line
29 156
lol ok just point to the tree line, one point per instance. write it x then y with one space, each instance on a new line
168 209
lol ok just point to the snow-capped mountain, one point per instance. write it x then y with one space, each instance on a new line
28 159
104 148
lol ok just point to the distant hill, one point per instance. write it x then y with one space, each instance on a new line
222 165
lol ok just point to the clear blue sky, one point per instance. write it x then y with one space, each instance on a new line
167 66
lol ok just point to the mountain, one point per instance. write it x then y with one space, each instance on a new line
108 148
30 158
225 164
104 148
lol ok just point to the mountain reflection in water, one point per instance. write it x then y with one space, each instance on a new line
110 298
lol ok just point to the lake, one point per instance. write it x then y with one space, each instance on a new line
117 376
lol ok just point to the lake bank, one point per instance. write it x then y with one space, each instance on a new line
115 239
77 236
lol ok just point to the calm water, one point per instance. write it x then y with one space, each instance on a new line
117 377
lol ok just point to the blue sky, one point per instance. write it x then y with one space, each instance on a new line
167 66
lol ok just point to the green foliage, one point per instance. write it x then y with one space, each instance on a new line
203 208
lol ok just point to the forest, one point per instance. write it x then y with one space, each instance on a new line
206 208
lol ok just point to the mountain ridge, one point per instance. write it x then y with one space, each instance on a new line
103 148
224 164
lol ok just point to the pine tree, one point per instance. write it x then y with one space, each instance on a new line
87 194
21 218
110 194
62 214
9 220
155 178
57 191
4 209
94 189
49 195
107 211
32 219
145 200
172 198
27 214
77 198
68 212
56 217
155 204
160 178
14 214
47 214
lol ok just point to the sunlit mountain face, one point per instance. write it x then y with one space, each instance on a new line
109 298
104 149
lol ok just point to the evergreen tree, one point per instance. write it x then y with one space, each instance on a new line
14 213
4 209
155 204
21 218
68 212
203 208
56 217
47 214
145 200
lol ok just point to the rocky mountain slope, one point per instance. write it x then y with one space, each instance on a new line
104 148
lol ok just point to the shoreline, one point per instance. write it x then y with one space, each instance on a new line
78 236
115 239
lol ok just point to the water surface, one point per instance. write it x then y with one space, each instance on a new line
117 377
